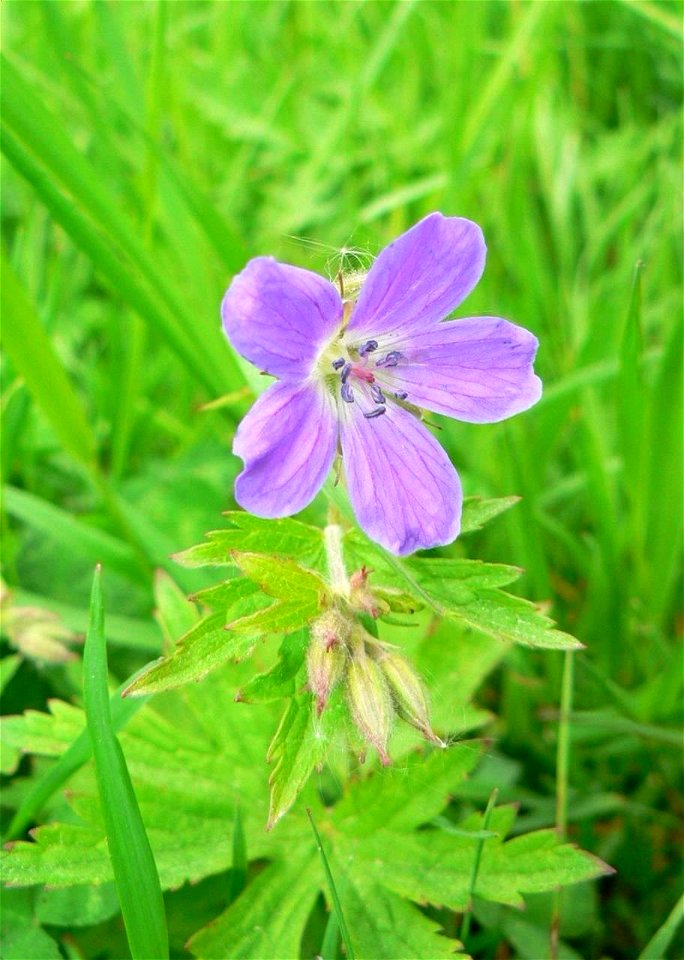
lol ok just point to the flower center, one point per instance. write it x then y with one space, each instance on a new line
361 377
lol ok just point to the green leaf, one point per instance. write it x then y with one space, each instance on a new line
301 595
80 906
268 918
510 618
435 867
386 927
135 871
207 646
279 681
300 744
175 614
287 537
281 578
478 512
22 936
408 794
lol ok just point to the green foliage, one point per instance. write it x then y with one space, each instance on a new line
150 150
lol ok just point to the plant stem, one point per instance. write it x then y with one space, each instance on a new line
337 571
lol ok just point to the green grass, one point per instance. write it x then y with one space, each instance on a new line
151 148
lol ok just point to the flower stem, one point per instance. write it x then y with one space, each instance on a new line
339 581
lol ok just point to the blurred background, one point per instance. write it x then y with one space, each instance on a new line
151 148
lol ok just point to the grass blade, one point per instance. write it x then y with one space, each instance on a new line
660 941
34 359
337 906
135 871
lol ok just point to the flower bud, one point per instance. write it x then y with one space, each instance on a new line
370 701
327 654
408 692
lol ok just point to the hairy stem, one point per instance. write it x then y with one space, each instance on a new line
339 581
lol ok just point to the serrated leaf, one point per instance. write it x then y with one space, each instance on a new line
286 537
385 927
207 646
300 744
278 618
279 681
478 512
457 581
46 734
407 795
511 618
435 867
193 754
281 578
268 918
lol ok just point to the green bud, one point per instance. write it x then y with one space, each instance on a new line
327 654
370 702
408 691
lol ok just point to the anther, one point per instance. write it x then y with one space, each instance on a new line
389 360
346 370
377 394
368 347
338 363
347 394
401 395
375 412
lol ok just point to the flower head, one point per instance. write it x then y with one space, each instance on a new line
353 375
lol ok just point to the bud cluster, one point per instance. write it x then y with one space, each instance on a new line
379 683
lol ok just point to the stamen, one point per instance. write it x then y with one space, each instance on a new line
346 370
368 347
375 412
377 394
389 360
338 363
347 394
401 395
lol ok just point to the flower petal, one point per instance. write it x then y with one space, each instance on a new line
478 369
287 441
278 316
420 278
405 492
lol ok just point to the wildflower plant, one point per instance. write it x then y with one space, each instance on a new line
329 625
354 373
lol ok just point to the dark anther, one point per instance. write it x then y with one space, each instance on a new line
376 393
368 347
346 392
346 370
338 363
401 395
375 412
390 360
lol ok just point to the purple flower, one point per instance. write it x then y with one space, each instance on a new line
351 375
